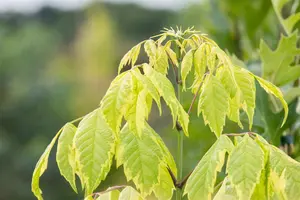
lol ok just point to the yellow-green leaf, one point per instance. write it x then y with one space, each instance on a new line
272 89
214 104
40 168
186 66
129 194
111 195
140 157
244 167
65 155
95 146
200 184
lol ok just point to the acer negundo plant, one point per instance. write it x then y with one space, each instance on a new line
254 168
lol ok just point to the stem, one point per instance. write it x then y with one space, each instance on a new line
180 133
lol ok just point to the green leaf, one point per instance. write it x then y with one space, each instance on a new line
41 167
130 57
167 156
234 109
164 189
290 21
282 163
244 166
246 87
200 184
140 157
186 66
150 49
214 104
276 186
272 89
225 76
95 146
226 192
200 67
130 193
148 85
117 99
65 155
277 64
161 63
112 195
166 90
172 55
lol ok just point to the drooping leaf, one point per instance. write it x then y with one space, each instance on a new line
272 89
214 104
117 99
129 193
277 64
172 55
186 66
289 22
234 109
244 166
40 168
95 146
276 186
246 86
166 90
65 155
140 157
200 184
281 163
226 78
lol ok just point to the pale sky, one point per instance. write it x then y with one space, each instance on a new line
34 5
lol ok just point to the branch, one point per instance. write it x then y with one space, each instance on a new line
172 176
184 180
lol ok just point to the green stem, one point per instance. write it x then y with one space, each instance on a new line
180 132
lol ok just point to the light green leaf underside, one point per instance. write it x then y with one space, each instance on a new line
200 184
95 146
214 104
130 193
246 89
112 195
282 163
141 158
272 89
244 166
65 155
166 90
116 100
186 66
40 168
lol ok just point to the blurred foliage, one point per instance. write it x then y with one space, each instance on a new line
56 65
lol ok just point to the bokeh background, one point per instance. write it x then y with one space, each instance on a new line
57 59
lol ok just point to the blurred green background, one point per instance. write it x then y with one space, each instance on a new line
56 66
